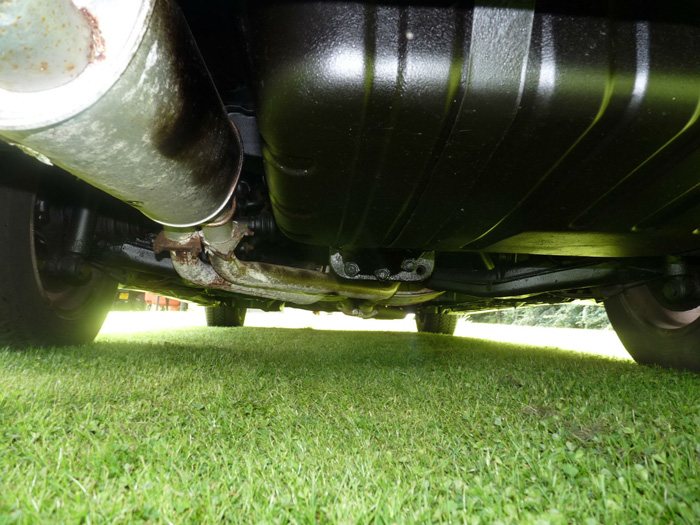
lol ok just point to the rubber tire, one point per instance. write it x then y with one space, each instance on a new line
229 316
432 323
653 334
28 317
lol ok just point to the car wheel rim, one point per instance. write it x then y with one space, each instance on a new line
649 309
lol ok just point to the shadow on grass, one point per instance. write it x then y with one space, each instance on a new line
284 348
389 360
218 353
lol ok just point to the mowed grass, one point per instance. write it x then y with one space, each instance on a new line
306 426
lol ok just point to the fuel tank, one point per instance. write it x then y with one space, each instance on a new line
566 128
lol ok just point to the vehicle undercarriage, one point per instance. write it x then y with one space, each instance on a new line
372 158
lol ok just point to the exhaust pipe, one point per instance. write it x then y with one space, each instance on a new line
268 281
117 94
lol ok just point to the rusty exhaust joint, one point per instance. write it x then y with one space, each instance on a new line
283 283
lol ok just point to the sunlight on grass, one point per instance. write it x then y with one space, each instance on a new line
598 342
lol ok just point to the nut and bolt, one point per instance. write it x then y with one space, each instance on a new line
351 269
408 265
382 274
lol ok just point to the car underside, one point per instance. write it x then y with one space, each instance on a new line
372 158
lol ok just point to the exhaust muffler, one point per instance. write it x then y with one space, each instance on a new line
117 94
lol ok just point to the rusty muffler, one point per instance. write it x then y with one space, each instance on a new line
117 94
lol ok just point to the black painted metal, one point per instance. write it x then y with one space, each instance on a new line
536 277
566 128
133 257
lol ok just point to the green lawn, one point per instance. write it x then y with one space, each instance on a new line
280 425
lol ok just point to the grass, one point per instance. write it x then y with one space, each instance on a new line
302 426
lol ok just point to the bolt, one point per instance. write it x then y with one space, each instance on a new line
383 274
409 265
351 269
676 289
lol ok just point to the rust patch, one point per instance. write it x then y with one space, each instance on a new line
97 42
181 258
163 244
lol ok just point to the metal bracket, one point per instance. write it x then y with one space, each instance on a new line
193 244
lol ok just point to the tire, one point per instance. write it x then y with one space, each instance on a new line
37 309
655 333
231 316
436 323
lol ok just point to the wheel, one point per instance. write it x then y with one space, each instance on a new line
653 331
225 315
436 323
38 309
